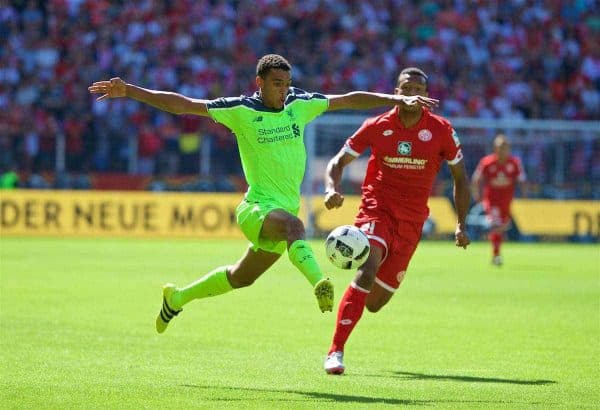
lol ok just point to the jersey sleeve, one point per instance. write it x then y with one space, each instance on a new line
360 140
452 148
225 111
478 173
311 105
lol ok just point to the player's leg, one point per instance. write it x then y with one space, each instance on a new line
496 233
353 301
504 227
280 225
496 237
378 282
391 274
220 280
380 296
352 306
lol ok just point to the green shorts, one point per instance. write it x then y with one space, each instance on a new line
251 216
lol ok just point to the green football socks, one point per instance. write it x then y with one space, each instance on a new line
212 284
301 255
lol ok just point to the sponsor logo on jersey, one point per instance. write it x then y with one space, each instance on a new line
288 132
387 133
404 162
404 148
291 114
258 118
509 167
425 135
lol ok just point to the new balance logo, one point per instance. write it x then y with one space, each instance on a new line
258 118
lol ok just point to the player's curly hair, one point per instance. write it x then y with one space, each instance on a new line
271 62
412 71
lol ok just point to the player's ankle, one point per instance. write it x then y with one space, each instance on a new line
175 300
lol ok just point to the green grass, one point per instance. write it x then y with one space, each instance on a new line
77 331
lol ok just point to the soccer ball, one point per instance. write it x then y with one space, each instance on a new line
347 247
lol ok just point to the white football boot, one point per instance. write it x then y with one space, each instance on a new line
334 364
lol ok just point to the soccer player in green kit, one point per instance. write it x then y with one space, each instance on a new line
269 127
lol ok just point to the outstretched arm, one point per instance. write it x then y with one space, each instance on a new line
333 177
363 100
163 100
462 199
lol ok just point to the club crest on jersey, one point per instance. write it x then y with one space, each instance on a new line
387 133
404 148
425 135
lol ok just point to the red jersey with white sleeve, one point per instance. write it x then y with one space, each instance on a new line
404 162
499 180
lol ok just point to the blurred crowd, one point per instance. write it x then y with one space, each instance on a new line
506 59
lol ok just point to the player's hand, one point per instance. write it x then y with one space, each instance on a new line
461 238
114 88
333 199
426 102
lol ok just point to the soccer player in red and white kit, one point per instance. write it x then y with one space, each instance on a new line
498 173
408 146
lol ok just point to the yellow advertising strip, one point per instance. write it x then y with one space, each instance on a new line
193 215
118 214
563 218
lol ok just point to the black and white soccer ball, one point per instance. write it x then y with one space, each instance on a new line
347 247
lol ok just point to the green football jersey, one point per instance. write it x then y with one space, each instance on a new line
271 142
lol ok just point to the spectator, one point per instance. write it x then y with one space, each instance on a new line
484 60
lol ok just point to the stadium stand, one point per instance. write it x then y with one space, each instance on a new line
484 62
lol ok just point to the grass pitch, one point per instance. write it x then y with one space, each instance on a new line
77 330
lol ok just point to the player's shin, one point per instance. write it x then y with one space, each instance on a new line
349 313
303 258
212 284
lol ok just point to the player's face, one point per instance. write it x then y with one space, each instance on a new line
502 150
274 87
411 85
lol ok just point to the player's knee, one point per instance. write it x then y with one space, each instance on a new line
240 282
294 229
238 279
365 276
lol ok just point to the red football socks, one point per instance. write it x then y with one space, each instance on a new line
496 238
349 313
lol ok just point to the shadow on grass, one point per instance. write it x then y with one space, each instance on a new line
463 378
340 398
343 398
